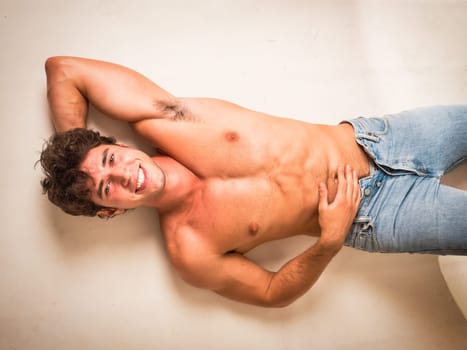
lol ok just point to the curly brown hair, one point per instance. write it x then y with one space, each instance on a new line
65 184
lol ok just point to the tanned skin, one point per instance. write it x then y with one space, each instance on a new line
230 180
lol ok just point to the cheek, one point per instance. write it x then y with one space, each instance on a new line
121 198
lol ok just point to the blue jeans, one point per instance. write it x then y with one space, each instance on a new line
404 206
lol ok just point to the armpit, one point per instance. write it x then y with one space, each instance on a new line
173 110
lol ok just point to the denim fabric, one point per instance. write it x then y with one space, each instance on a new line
404 206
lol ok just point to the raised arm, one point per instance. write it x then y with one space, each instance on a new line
236 277
117 91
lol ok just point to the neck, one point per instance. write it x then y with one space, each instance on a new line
180 184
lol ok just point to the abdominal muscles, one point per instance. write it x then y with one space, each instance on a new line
239 214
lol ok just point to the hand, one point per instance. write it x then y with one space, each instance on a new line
335 218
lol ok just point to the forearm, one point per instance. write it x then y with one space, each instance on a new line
67 104
300 274
335 219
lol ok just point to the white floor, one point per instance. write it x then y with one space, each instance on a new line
76 283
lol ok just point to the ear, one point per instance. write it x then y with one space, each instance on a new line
108 213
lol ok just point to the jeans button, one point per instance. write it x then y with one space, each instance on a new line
367 192
378 184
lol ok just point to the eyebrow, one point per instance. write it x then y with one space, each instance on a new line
101 183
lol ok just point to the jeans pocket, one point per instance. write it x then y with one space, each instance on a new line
372 128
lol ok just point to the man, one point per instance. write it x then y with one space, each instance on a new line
230 179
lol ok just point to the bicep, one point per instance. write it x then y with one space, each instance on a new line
233 276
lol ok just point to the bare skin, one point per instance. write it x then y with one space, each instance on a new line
233 178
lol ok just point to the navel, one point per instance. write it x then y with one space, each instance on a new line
253 228
231 136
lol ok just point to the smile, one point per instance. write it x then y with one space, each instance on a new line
141 178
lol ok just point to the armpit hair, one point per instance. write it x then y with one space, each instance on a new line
172 110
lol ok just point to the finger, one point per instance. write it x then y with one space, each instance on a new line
341 183
357 189
349 182
323 196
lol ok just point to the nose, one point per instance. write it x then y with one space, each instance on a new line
120 175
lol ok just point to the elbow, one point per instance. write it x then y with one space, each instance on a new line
275 304
54 62
279 294
277 300
58 68
280 305
54 70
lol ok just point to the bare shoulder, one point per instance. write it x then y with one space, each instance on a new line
189 254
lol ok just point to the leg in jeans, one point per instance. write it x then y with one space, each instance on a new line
404 208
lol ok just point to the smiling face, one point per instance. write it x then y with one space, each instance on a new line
122 177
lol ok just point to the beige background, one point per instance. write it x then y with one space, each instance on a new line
77 283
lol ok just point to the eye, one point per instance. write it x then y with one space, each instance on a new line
107 189
111 159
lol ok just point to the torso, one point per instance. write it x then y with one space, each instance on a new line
259 174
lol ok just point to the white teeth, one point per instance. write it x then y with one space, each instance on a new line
140 179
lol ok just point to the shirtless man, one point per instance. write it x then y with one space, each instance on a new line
230 178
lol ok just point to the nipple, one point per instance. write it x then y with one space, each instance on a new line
232 136
253 228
